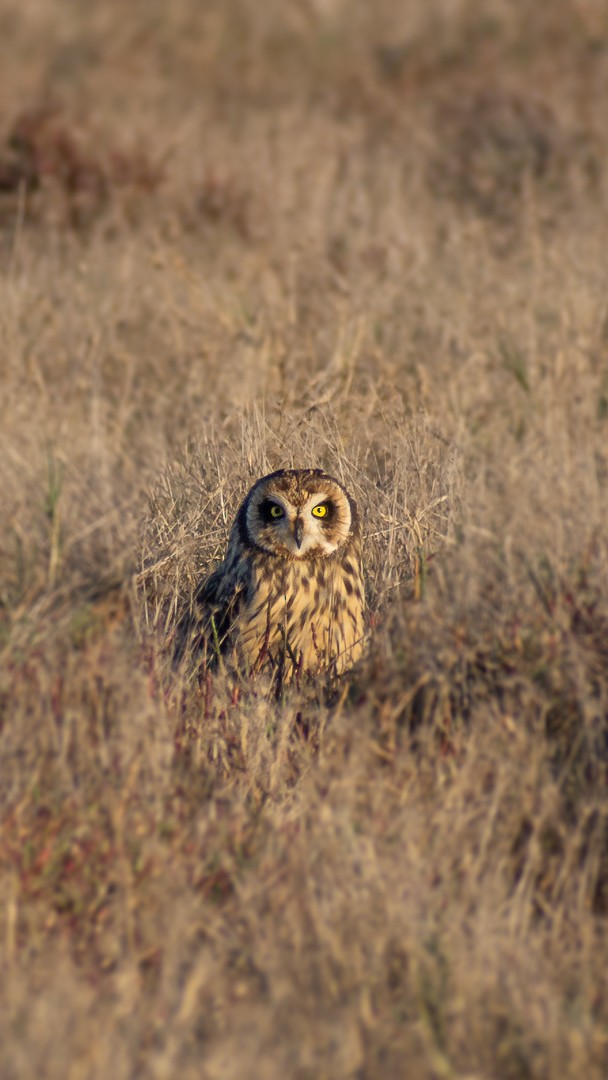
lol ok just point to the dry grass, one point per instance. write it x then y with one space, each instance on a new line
370 238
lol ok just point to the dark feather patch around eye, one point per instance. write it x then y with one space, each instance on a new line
268 511
329 512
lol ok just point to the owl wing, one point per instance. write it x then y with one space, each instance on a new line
219 599
216 605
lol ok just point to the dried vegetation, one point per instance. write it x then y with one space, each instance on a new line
240 236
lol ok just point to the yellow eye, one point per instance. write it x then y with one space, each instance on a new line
320 510
276 511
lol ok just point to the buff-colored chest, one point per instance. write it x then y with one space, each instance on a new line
304 616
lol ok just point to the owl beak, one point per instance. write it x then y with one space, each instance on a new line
298 532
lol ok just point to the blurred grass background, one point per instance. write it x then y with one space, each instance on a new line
371 238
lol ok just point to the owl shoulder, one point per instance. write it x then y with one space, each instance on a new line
226 580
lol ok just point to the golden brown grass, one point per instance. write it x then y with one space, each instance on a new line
370 238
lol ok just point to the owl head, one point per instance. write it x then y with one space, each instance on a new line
298 514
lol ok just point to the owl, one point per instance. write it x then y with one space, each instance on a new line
289 595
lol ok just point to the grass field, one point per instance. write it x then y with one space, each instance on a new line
369 237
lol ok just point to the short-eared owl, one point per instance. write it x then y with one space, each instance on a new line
289 593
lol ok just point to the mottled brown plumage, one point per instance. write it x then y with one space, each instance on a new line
289 594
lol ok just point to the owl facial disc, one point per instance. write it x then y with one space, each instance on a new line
298 525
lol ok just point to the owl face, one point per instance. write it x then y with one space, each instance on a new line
298 514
